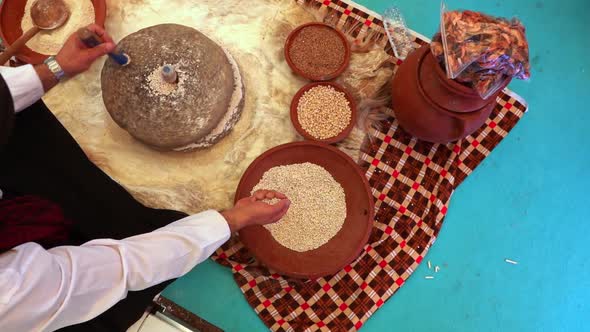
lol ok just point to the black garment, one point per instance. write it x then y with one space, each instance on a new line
6 112
41 158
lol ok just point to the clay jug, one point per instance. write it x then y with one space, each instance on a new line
432 107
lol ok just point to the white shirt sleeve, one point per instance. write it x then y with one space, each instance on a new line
24 84
44 290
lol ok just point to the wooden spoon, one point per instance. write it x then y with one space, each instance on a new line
46 15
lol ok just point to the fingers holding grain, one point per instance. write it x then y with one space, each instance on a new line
260 194
314 211
264 194
278 209
275 194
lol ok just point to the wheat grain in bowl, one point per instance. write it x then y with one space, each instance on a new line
324 112
318 205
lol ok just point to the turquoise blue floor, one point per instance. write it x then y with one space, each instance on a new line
529 201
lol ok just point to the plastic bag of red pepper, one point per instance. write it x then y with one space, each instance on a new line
481 51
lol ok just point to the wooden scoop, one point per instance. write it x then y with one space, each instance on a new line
46 15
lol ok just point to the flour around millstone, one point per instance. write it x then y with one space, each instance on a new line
159 87
231 116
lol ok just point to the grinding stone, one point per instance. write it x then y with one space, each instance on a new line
203 108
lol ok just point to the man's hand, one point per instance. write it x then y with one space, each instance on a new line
75 58
253 211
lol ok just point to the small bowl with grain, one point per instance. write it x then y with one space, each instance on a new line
323 112
317 51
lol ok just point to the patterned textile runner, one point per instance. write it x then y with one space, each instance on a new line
412 183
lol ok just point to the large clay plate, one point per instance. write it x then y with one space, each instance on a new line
11 15
342 248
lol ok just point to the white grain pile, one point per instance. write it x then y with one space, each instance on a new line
50 42
159 87
318 205
323 112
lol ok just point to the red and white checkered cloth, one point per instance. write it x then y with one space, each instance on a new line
412 182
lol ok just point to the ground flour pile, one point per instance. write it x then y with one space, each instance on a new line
318 205
159 87
50 42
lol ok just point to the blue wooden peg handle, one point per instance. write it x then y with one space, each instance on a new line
91 39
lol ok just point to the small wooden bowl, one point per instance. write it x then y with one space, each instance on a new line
305 134
11 15
345 246
298 71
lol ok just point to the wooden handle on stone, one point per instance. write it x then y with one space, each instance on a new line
18 44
